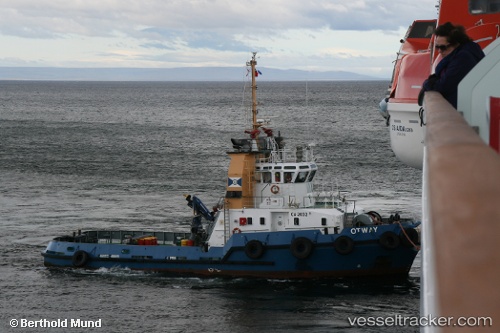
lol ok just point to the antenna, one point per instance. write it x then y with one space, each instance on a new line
252 63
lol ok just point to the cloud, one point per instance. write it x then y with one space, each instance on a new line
161 46
160 33
198 39
41 18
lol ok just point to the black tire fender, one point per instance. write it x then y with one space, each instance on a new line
412 235
80 258
301 247
254 249
343 245
389 240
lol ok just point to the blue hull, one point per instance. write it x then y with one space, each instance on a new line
356 252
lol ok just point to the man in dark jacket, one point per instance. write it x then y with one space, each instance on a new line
460 54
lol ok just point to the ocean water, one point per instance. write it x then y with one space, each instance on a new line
83 155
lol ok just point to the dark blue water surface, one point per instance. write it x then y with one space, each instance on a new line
80 155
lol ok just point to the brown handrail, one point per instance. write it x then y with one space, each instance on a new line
463 183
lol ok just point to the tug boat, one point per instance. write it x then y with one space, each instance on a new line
270 224
417 59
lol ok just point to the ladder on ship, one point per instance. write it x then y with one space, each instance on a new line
227 223
292 198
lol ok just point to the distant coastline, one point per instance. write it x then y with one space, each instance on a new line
171 74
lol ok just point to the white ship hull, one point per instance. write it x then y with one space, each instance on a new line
406 133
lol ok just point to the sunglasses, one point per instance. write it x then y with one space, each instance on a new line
442 47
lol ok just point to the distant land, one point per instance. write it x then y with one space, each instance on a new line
170 74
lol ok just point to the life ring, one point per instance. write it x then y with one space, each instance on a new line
80 258
389 240
254 249
275 189
301 247
409 239
236 231
343 245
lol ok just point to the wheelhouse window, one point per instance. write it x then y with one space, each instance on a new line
277 177
266 177
233 194
258 177
422 29
484 6
295 221
262 221
311 175
301 177
288 177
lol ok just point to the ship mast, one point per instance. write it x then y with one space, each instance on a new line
252 63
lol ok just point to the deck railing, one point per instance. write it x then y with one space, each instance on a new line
461 222
299 154
125 236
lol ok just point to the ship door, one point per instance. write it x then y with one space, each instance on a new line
277 221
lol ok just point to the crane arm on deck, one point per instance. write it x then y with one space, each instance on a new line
199 207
